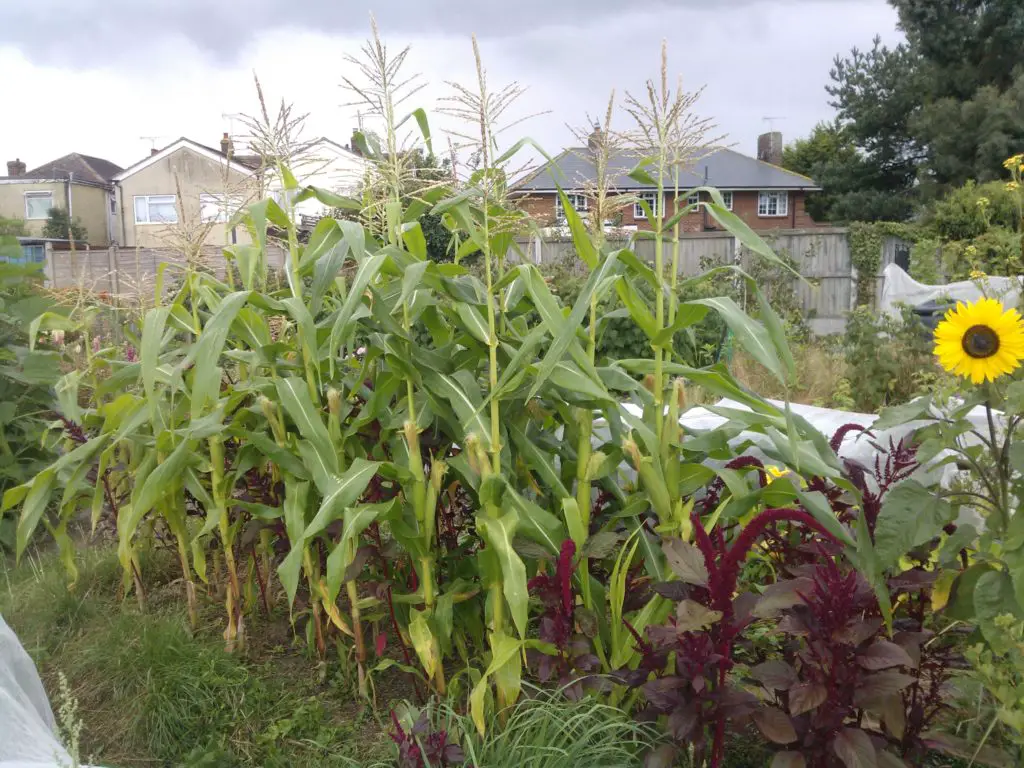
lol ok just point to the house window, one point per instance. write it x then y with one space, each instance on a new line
38 204
217 208
651 198
577 201
772 203
693 199
727 199
156 209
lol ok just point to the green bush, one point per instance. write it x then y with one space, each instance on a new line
59 226
27 378
995 252
889 358
964 213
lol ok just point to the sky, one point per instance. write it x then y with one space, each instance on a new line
112 78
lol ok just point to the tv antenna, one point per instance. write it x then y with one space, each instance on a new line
152 140
231 117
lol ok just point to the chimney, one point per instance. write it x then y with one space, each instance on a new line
226 145
769 147
596 139
15 167
153 151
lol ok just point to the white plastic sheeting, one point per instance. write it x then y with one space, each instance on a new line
27 737
900 288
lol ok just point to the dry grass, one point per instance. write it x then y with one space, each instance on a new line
821 377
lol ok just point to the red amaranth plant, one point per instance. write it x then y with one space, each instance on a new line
691 657
844 692
421 747
574 655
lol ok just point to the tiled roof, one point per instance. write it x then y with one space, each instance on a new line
722 168
76 166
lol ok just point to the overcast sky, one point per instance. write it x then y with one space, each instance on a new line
95 76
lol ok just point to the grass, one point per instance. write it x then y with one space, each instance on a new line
150 693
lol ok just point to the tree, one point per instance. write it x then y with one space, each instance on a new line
875 95
942 108
851 189
59 227
13 227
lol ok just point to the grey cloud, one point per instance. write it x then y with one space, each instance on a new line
86 33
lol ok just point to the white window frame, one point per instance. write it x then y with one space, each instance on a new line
226 207
693 199
38 196
772 204
148 198
577 200
727 199
652 200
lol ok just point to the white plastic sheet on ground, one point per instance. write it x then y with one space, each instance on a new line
27 737
900 288
856 446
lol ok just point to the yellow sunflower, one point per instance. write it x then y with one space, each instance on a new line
980 341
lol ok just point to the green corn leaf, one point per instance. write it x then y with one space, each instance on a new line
328 198
473 321
207 351
581 240
686 316
574 523
637 307
344 492
538 461
250 263
164 478
498 533
569 377
750 334
368 269
423 643
467 408
293 395
296 496
36 496
776 332
325 271
149 356
412 235
504 651
357 520
747 237
535 523
411 279
599 281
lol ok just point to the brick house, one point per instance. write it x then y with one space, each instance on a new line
757 190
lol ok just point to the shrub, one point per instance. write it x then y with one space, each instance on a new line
27 378
886 357
59 226
972 210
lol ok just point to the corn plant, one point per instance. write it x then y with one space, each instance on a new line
410 443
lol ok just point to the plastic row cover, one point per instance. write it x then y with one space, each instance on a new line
27 737
900 288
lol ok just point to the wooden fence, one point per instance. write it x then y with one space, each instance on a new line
821 256
130 272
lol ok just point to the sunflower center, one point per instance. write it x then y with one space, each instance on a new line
980 341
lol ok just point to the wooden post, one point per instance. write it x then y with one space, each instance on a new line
51 269
112 263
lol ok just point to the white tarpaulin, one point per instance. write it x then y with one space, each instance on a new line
27 737
900 288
